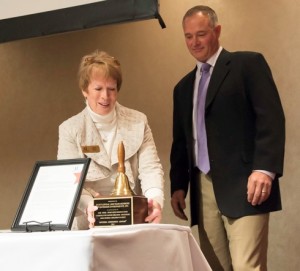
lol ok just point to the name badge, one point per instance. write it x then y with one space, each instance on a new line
90 149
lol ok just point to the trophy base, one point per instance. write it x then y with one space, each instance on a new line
120 210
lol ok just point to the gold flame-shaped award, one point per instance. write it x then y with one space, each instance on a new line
123 206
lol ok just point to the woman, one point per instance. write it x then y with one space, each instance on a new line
96 133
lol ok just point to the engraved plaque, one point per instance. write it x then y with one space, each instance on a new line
123 207
126 210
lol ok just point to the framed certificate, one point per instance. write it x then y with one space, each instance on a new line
51 196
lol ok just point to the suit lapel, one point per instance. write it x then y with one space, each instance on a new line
128 131
90 137
221 69
186 96
131 133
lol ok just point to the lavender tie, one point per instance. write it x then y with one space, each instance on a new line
203 160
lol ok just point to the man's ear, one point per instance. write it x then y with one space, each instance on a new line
218 30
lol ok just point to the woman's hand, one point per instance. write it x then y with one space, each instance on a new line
154 212
90 214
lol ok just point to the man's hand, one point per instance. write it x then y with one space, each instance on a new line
178 204
259 187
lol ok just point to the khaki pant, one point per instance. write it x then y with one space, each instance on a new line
231 244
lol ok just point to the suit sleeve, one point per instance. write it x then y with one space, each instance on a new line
67 149
270 121
67 146
179 173
150 169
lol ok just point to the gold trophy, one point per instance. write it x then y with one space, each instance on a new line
123 207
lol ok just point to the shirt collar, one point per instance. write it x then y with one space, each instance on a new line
212 60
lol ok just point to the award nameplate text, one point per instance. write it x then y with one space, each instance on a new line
126 210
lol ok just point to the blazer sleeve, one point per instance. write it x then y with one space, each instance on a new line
67 145
182 146
270 121
150 169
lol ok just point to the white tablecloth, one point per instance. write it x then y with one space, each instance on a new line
142 247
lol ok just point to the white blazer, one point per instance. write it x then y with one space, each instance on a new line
142 165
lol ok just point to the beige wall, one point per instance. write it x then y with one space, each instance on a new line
38 90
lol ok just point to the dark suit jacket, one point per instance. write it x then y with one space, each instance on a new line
245 131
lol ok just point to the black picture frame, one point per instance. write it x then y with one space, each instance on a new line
51 197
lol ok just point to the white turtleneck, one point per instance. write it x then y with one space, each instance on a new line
106 126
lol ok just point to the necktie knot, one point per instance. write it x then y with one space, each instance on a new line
205 67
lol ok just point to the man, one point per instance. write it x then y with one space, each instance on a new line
233 172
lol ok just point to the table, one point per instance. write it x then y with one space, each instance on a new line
142 247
